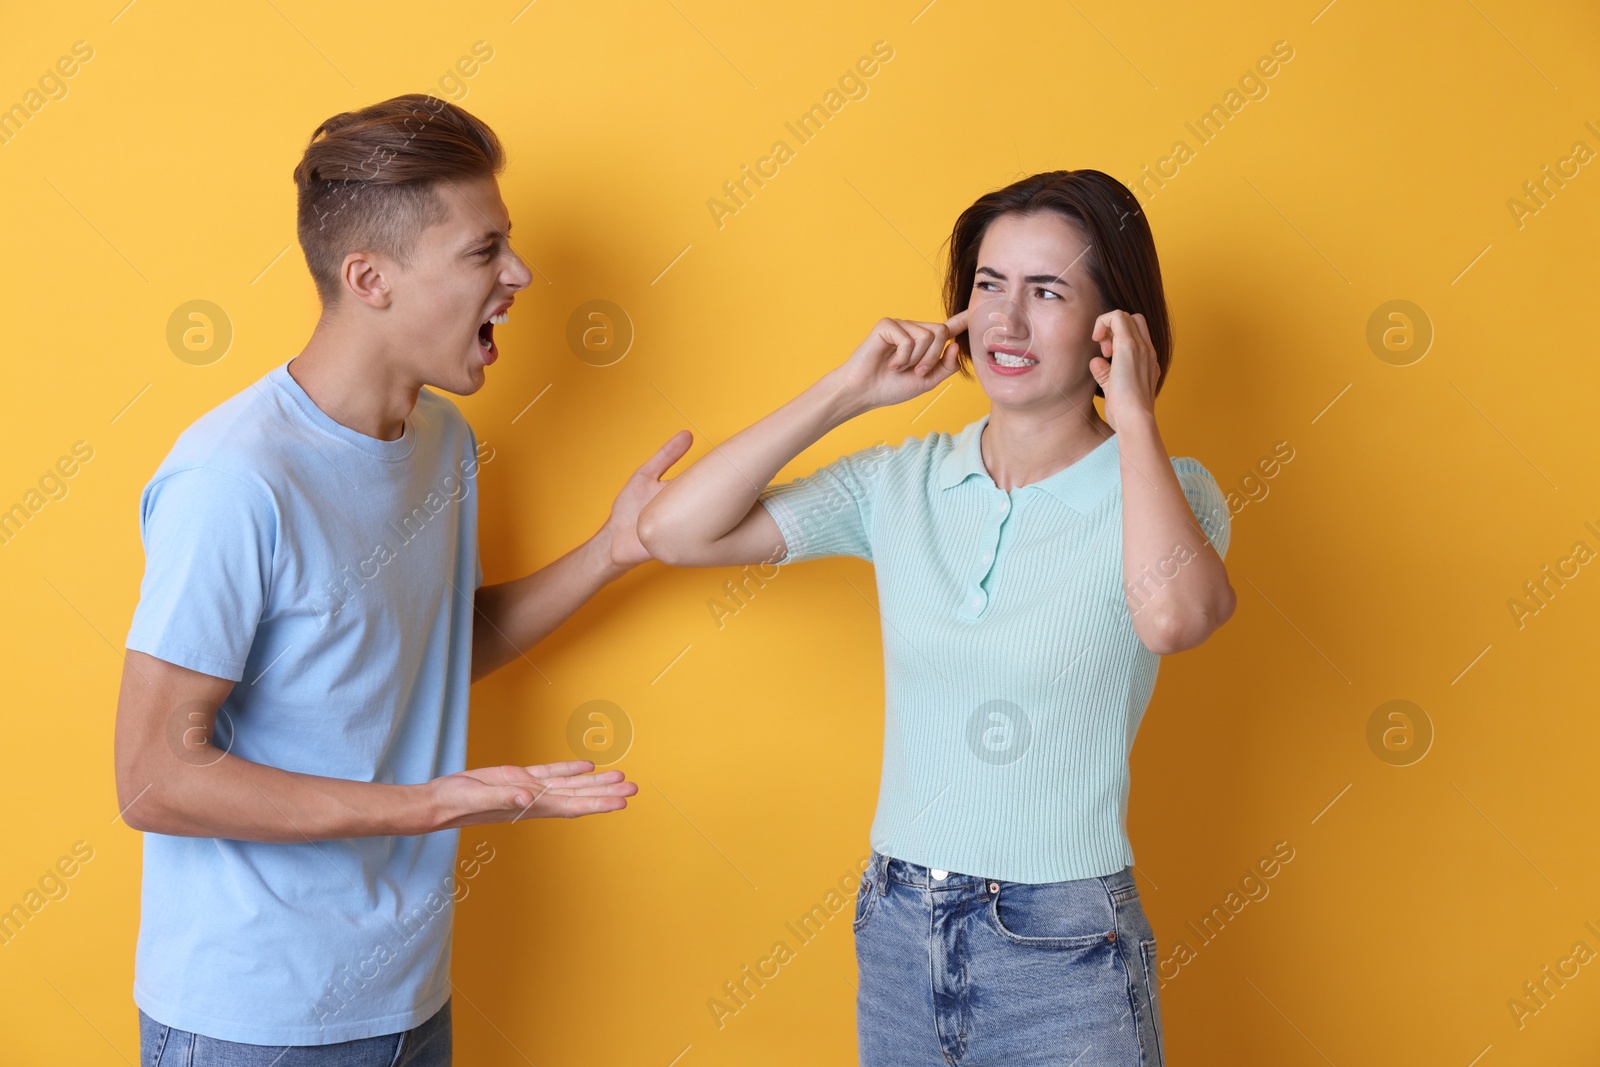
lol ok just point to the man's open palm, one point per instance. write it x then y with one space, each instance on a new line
543 791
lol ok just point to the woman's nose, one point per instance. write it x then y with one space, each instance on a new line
1006 321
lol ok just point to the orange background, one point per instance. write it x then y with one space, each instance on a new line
1427 485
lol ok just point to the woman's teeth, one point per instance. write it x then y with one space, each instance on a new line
500 319
1006 359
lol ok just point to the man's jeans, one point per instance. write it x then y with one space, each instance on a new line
426 1045
970 971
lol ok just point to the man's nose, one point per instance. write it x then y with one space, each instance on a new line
521 276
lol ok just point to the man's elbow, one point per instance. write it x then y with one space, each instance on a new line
139 797
137 806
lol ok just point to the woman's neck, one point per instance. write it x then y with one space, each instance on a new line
1023 447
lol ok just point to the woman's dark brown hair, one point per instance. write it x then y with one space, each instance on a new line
1121 255
368 179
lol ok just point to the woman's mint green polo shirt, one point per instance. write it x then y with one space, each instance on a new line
1013 677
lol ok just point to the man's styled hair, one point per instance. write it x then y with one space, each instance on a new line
1120 257
368 179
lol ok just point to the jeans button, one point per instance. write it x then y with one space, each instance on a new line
994 887
939 876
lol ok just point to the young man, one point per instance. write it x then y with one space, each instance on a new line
292 724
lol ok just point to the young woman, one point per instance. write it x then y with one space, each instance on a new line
1031 570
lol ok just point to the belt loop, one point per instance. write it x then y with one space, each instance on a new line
883 873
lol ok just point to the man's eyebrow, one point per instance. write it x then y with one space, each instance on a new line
488 234
1043 279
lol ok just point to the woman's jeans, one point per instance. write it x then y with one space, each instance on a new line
963 969
425 1045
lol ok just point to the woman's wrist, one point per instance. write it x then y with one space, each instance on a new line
1138 420
840 400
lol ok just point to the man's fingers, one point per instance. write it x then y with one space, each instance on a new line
569 807
560 770
668 454
577 806
609 789
543 801
580 775
602 778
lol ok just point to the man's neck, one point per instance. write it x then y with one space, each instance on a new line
354 383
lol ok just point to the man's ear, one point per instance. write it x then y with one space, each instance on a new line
363 274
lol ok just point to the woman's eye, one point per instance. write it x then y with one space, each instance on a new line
1050 293
982 284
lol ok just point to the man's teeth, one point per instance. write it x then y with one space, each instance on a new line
1006 359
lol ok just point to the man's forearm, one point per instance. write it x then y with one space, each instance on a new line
207 793
512 617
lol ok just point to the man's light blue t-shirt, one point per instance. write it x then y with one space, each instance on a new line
331 576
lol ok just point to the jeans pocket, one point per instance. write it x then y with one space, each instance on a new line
1154 1040
1072 914
866 898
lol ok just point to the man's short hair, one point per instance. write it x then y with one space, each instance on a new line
369 179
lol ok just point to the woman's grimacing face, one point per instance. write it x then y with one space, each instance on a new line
1031 296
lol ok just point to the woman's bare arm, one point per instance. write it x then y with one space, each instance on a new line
1175 583
709 515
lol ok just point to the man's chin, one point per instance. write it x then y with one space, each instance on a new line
462 382
475 379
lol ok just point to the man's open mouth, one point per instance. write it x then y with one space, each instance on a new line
486 335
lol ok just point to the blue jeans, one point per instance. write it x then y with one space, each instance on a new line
972 971
425 1045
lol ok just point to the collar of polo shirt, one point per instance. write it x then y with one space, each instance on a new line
1080 485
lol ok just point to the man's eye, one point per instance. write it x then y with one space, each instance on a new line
483 251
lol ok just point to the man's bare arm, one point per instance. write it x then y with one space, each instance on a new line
171 779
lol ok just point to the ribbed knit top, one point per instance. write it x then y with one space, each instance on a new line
1013 678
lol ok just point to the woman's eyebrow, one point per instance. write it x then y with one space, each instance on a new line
1045 279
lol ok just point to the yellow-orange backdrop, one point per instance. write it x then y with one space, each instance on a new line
1443 456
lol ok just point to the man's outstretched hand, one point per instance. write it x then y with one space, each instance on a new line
544 791
622 527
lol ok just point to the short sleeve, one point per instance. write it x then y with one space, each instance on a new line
1205 498
829 512
208 543
477 556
